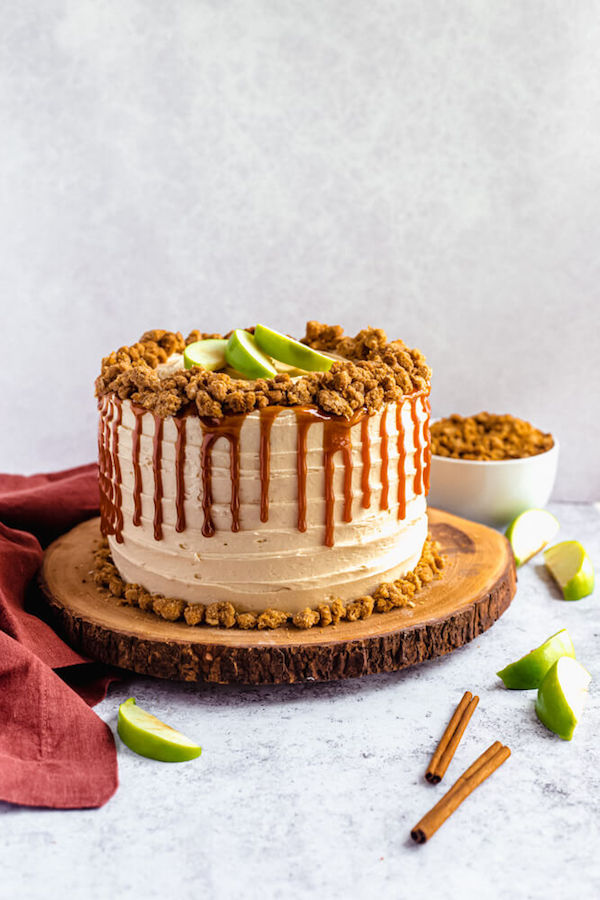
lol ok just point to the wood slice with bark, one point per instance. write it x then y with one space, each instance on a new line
477 585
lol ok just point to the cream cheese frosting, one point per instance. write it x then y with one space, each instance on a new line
377 515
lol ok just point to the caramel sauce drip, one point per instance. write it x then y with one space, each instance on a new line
401 463
337 437
427 436
108 510
268 414
108 417
366 461
213 430
180 424
418 480
304 419
109 468
118 497
102 481
383 503
139 413
157 468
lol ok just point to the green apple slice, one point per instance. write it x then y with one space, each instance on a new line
291 352
529 671
530 532
562 695
145 734
571 568
243 353
208 354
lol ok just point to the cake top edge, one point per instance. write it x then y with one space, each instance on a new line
368 372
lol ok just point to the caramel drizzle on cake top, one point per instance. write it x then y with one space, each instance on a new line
337 438
109 467
267 416
117 498
365 443
137 472
383 444
214 429
180 424
157 469
427 438
401 463
418 480
106 493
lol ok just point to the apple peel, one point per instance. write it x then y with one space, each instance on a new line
148 736
291 352
530 532
571 568
208 354
245 356
528 672
561 696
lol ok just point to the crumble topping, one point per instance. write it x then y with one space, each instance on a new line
487 437
371 372
388 596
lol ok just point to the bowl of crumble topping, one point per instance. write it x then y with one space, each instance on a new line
490 467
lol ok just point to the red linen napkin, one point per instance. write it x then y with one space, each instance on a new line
54 750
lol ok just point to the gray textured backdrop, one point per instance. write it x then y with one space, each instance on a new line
430 167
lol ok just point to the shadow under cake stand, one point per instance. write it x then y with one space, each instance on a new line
477 585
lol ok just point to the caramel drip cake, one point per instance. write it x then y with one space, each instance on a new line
285 494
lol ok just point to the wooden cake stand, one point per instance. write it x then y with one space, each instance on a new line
477 585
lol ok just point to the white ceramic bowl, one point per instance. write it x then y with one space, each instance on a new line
494 491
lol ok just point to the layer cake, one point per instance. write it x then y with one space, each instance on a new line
285 494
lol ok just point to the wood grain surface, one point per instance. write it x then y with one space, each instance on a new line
476 587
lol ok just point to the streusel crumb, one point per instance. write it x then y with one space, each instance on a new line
388 596
370 371
487 437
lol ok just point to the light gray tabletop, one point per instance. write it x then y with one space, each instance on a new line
311 790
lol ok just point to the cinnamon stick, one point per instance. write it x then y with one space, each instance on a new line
450 739
477 773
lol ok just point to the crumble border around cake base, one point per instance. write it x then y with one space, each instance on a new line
388 596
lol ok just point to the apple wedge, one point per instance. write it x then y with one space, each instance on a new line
243 354
529 671
208 354
145 734
291 352
530 532
561 696
571 568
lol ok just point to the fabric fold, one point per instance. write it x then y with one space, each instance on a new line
54 750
